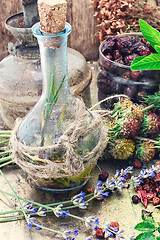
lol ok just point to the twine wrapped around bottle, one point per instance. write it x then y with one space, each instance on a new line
72 165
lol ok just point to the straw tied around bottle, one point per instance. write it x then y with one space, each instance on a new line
71 163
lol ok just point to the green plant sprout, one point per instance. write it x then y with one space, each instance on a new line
50 102
151 62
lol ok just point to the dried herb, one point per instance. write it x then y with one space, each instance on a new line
117 16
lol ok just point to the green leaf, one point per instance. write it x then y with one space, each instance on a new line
137 59
158 238
151 62
145 236
145 227
143 217
150 33
158 229
157 48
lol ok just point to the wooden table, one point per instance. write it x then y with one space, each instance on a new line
116 207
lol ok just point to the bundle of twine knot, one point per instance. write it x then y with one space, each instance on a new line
71 164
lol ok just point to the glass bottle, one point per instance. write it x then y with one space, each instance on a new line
115 77
55 112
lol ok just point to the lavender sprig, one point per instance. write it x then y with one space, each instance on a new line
98 192
68 235
79 200
92 222
59 212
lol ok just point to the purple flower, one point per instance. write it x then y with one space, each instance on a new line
28 205
91 222
41 212
59 212
119 235
114 229
30 224
119 184
31 210
30 221
68 235
129 169
156 169
152 174
99 191
99 183
79 200
110 184
136 181
117 173
109 233
38 227
89 238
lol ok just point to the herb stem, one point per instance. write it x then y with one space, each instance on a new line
2 143
5 132
5 136
7 163
5 153
15 195
4 159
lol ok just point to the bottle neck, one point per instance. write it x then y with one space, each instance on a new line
53 51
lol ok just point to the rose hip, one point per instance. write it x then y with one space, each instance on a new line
135 75
100 233
117 54
128 59
156 200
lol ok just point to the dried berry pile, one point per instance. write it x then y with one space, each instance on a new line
116 16
116 77
134 131
148 191
124 50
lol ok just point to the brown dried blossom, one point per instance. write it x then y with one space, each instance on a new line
119 16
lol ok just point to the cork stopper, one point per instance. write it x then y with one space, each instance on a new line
52 14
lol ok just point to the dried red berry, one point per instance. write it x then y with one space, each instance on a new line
124 45
108 56
156 200
150 196
100 233
109 45
135 75
135 199
137 164
103 176
146 180
90 190
146 187
128 59
117 54
143 40
157 177
115 224
139 188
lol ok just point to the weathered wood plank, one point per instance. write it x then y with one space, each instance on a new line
81 17
7 8
82 38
